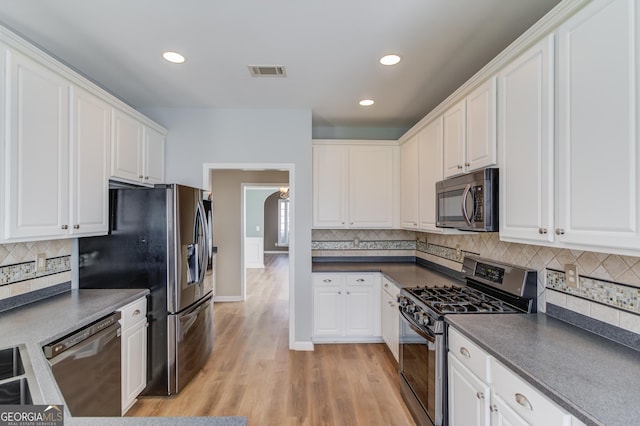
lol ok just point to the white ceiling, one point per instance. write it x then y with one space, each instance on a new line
330 49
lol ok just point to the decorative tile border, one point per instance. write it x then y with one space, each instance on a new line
11 274
364 245
619 296
448 253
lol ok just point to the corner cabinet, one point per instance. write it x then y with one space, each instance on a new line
391 317
137 151
134 351
346 307
55 152
354 184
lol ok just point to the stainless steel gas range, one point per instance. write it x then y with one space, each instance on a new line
491 287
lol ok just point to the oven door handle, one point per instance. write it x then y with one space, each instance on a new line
423 333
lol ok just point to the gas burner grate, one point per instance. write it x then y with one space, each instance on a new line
451 299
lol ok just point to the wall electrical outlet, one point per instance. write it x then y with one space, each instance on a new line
41 262
571 275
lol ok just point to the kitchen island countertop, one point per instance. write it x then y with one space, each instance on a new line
38 323
593 378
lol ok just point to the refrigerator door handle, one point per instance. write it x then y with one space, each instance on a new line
203 245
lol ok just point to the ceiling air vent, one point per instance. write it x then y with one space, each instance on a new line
267 71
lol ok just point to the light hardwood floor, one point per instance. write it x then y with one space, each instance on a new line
253 373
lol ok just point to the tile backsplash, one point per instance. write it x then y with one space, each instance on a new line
18 273
449 250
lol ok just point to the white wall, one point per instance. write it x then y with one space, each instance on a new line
278 136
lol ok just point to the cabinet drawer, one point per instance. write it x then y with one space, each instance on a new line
134 312
390 288
526 401
470 355
362 279
327 279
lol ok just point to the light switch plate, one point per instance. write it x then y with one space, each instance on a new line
41 262
571 275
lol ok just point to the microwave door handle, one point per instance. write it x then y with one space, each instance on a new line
465 194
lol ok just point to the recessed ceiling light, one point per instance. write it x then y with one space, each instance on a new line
366 102
173 57
390 59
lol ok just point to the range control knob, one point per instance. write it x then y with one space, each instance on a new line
424 319
410 308
402 300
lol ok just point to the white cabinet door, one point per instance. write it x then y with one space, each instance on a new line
390 322
371 179
409 183
90 142
153 166
359 313
468 396
481 127
328 310
454 134
36 152
134 362
526 138
503 415
598 157
330 186
127 147
430 154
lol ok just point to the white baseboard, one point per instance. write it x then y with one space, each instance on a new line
344 339
227 299
302 346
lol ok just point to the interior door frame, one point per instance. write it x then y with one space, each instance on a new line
286 167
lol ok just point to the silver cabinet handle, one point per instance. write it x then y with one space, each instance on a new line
467 164
146 178
326 280
339 292
136 312
348 293
522 400
386 285
459 167
493 408
76 226
360 280
542 230
140 176
65 226
465 352
480 395
559 231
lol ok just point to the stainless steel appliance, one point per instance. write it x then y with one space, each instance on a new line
468 202
159 240
86 365
491 287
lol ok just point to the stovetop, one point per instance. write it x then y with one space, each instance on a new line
448 299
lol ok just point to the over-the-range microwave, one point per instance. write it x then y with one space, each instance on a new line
468 202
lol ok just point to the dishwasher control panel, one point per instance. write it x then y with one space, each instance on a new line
56 347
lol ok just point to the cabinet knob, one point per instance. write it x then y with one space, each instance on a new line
140 176
146 178
65 226
465 352
76 226
522 400
467 164
339 292
459 167
479 395
542 230
360 280
493 408
559 231
136 312
326 280
348 293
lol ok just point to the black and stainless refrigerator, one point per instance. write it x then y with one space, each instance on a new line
158 239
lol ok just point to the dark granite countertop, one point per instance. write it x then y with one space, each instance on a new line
402 274
33 325
593 378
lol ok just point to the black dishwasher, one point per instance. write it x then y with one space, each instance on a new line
87 368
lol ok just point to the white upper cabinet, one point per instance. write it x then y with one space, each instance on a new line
430 154
454 125
354 185
598 156
525 123
36 150
90 142
470 131
409 183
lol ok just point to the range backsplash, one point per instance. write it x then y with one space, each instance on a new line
18 274
609 287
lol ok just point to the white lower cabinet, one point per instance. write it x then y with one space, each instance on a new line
346 307
390 317
134 351
482 391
